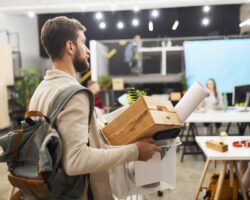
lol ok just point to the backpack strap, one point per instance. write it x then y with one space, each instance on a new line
29 114
17 144
63 99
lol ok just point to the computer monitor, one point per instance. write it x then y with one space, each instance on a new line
242 95
229 99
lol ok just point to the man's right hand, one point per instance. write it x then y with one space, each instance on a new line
146 148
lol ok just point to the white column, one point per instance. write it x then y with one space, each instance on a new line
6 78
6 65
4 111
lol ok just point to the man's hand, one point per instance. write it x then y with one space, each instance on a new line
146 148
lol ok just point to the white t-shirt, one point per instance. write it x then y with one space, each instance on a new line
212 102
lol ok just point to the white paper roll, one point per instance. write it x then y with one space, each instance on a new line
189 102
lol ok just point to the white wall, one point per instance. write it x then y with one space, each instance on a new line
244 15
27 28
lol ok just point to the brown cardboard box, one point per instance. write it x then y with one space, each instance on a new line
117 84
175 96
147 116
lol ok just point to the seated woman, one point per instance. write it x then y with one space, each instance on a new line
212 102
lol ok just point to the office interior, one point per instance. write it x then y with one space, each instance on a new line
180 42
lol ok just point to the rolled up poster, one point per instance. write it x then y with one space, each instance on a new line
189 102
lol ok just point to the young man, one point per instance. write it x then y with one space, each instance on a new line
64 42
133 57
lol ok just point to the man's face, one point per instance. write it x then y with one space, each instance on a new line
81 56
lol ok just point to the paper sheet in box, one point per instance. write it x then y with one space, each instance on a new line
163 176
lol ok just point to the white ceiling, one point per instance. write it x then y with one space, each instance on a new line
56 6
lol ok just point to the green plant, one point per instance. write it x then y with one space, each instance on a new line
26 85
134 94
105 82
183 82
240 104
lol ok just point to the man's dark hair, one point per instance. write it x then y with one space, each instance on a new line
56 32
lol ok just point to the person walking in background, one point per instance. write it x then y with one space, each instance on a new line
133 57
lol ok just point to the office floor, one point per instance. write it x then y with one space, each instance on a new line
187 176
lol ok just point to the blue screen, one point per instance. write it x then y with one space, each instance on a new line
226 61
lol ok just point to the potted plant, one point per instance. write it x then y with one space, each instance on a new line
183 82
25 86
105 82
134 94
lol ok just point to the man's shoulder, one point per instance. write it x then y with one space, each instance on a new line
46 93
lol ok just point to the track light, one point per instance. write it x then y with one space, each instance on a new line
206 9
102 25
175 25
135 22
98 15
120 25
155 13
150 26
205 21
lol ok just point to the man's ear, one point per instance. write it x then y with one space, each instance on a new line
69 47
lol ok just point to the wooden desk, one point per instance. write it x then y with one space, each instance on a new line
228 158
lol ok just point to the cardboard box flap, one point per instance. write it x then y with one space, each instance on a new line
154 103
165 118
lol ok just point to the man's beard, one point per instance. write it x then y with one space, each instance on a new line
81 65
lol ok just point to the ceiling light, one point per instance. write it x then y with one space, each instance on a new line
175 25
120 25
205 21
102 25
135 22
31 14
245 23
136 8
155 13
150 26
206 9
98 15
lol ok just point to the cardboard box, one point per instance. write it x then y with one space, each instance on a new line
147 116
117 84
175 96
